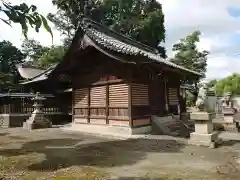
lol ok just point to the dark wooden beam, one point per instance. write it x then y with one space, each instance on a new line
130 99
89 104
107 104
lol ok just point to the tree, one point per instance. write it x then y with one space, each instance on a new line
187 55
24 15
51 57
142 20
33 49
10 56
228 84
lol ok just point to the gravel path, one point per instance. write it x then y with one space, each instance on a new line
54 154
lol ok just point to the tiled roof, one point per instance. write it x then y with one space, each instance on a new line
119 43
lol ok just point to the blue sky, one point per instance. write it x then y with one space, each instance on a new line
218 20
234 11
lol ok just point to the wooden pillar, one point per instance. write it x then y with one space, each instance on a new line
89 105
130 104
166 95
73 104
107 103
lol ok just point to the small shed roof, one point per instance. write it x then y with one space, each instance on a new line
43 75
28 71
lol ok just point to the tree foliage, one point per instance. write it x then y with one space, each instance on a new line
141 20
42 56
24 15
188 55
10 56
51 57
228 84
33 49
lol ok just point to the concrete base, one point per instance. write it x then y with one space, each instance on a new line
108 130
209 140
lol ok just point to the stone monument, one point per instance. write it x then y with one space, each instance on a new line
37 119
203 135
229 111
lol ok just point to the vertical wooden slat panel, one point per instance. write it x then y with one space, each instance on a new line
118 95
173 96
140 94
81 97
98 96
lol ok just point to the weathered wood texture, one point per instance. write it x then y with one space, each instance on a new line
108 104
118 95
140 94
140 105
157 98
174 96
98 96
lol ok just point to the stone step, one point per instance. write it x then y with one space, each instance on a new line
173 128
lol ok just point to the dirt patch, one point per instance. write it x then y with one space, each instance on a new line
56 155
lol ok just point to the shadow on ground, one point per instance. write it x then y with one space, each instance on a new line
146 178
63 153
229 142
4 134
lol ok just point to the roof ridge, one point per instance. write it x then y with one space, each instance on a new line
124 38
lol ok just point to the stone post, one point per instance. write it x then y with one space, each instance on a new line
37 119
203 135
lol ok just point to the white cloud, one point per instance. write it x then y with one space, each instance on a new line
182 17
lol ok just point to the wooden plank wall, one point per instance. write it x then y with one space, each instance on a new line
140 105
157 98
118 105
173 96
102 104
173 100
80 105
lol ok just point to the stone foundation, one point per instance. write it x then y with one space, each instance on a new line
203 139
108 130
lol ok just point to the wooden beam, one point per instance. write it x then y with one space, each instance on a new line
73 100
89 103
130 104
107 104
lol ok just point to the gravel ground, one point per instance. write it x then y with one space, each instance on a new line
54 154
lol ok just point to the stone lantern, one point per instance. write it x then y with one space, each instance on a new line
204 134
37 119
228 110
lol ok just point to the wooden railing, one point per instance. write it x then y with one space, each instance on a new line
11 108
